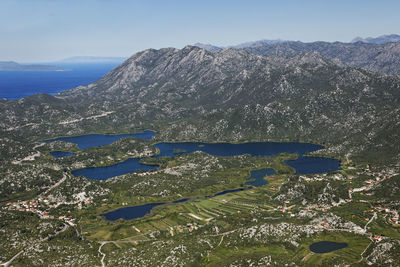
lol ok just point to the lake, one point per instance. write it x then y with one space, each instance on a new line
17 84
326 246
93 140
106 172
130 213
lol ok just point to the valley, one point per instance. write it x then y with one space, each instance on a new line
247 159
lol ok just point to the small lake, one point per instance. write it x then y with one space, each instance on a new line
94 140
130 213
106 172
312 165
61 154
326 246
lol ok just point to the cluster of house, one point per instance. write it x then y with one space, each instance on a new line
394 214
379 176
30 206
36 206
192 227
67 219
321 177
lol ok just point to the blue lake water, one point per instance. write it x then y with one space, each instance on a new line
93 140
326 246
61 154
130 213
257 177
228 149
106 172
17 84
310 165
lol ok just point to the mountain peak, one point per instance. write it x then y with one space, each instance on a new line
208 47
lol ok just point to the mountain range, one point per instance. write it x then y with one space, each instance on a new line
375 56
228 95
391 38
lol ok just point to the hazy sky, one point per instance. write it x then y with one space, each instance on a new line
46 30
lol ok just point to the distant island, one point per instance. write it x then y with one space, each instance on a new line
14 66
90 59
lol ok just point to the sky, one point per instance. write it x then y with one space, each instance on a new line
50 30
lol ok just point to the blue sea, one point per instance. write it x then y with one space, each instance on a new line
18 84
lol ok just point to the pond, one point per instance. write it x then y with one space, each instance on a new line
326 246
130 213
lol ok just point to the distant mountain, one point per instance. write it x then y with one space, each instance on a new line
376 57
212 48
88 59
391 38
14 66
380 54
258 43
208 47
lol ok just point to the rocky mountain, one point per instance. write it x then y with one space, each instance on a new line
211 47
391 38
226 95
376 57
208 47
258 43
14 66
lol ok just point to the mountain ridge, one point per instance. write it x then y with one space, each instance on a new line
389 38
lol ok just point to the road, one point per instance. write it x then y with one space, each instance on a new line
103 254
55 185
41 240
11 260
